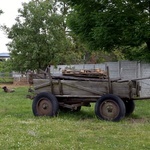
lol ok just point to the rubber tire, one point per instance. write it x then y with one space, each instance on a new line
112 99
130 106
50 99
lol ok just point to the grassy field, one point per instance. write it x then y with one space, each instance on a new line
19 129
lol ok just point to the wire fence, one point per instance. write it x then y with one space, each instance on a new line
12 77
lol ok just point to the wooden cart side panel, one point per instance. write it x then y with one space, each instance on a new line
123 90
42 85
84 87
69 87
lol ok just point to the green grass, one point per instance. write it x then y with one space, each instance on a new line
6 80
19 129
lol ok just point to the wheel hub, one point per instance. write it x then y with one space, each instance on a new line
109 109
44 107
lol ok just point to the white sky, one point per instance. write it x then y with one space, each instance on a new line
10 9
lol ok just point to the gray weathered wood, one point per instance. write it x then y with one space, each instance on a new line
123 90
83 79
135 79
109 81
84 88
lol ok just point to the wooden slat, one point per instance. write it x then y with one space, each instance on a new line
123 90
109 81
135 79
79 96
79 87
42 85
83 79
82 88
60 87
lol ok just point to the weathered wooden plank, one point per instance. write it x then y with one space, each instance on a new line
69 87
123 90
82 88
42 85
60 87
80 96
109 81
135 79
83 79
79 87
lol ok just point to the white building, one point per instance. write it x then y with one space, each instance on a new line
4 56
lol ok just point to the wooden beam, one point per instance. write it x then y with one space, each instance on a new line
125 80
109 81
83 79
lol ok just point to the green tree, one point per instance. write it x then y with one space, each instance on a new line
38 37
109 24
5 66
75 52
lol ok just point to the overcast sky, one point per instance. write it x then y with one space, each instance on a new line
10 9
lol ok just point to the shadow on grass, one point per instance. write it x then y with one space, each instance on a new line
134 118
80 115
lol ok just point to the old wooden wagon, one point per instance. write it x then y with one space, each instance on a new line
113 98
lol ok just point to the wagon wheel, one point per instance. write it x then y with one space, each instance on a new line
110 107
45 104
130 106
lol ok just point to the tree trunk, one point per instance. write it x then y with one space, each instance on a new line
148 44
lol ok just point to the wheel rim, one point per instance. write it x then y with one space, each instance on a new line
109 109
44 107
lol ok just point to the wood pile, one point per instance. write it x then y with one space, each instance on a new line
89 73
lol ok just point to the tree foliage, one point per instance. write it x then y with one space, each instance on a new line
5 66
38 38
109 24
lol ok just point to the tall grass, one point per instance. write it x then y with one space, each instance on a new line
19 129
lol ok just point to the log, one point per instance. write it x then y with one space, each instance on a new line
90 73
